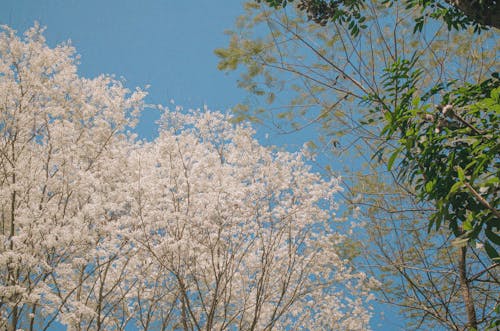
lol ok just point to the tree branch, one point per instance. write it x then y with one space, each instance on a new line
482 200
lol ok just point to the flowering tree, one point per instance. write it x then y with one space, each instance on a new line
202 228
58 134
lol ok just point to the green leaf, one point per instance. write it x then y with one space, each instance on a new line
491 251
455 187
429 186
492 236
461 174
415 102
393 158
467 225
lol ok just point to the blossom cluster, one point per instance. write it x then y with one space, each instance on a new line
200 228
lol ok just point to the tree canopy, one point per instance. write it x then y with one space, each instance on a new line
202 228
456 13
393 92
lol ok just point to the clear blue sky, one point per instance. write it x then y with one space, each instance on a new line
167 44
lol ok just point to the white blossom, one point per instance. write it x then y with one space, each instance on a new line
201 228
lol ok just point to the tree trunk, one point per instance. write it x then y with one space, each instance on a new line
12 270
466 293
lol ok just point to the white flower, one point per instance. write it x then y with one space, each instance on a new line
127 229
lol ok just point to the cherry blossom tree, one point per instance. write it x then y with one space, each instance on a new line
202 228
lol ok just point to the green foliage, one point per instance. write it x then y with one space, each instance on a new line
348 12
450 153
372 93
452 16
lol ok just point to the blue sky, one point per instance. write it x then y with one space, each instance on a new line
167 44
